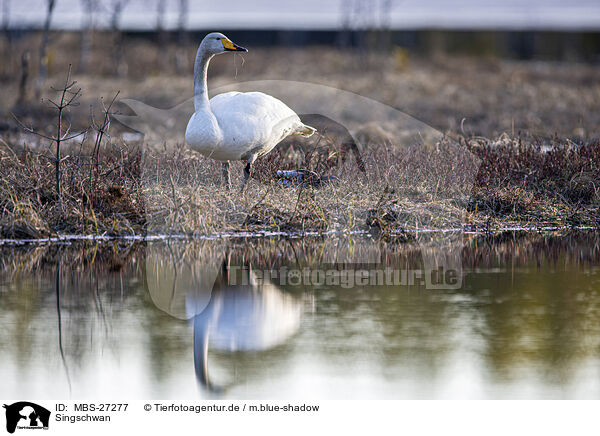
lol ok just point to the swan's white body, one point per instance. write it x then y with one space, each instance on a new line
251 317
242 126
236 125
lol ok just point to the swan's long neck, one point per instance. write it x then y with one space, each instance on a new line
200 86
201 350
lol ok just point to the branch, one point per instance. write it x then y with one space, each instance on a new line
67 138
31 130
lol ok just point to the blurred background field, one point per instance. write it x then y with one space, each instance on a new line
504 66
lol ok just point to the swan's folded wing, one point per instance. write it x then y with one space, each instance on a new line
254 119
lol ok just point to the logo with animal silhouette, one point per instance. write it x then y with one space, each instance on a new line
26 415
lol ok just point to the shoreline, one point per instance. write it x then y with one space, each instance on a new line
251 235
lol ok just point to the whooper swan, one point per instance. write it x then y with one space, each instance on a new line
236 125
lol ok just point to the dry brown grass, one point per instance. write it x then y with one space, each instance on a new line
532 183
176 191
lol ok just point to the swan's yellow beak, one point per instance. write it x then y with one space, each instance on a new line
230 46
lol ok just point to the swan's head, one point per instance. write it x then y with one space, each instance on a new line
217 43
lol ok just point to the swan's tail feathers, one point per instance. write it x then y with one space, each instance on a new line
305 130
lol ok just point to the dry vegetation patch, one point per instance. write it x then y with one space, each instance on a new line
480 179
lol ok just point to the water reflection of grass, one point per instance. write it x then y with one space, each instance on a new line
109 257
543 317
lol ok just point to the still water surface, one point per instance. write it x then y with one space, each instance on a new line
198 320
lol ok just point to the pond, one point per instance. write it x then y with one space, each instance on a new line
347 317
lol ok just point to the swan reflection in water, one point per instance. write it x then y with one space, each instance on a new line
228 313
253 316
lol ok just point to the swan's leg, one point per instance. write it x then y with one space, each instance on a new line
247 170
226 179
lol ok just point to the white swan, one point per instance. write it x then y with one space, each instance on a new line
236 125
